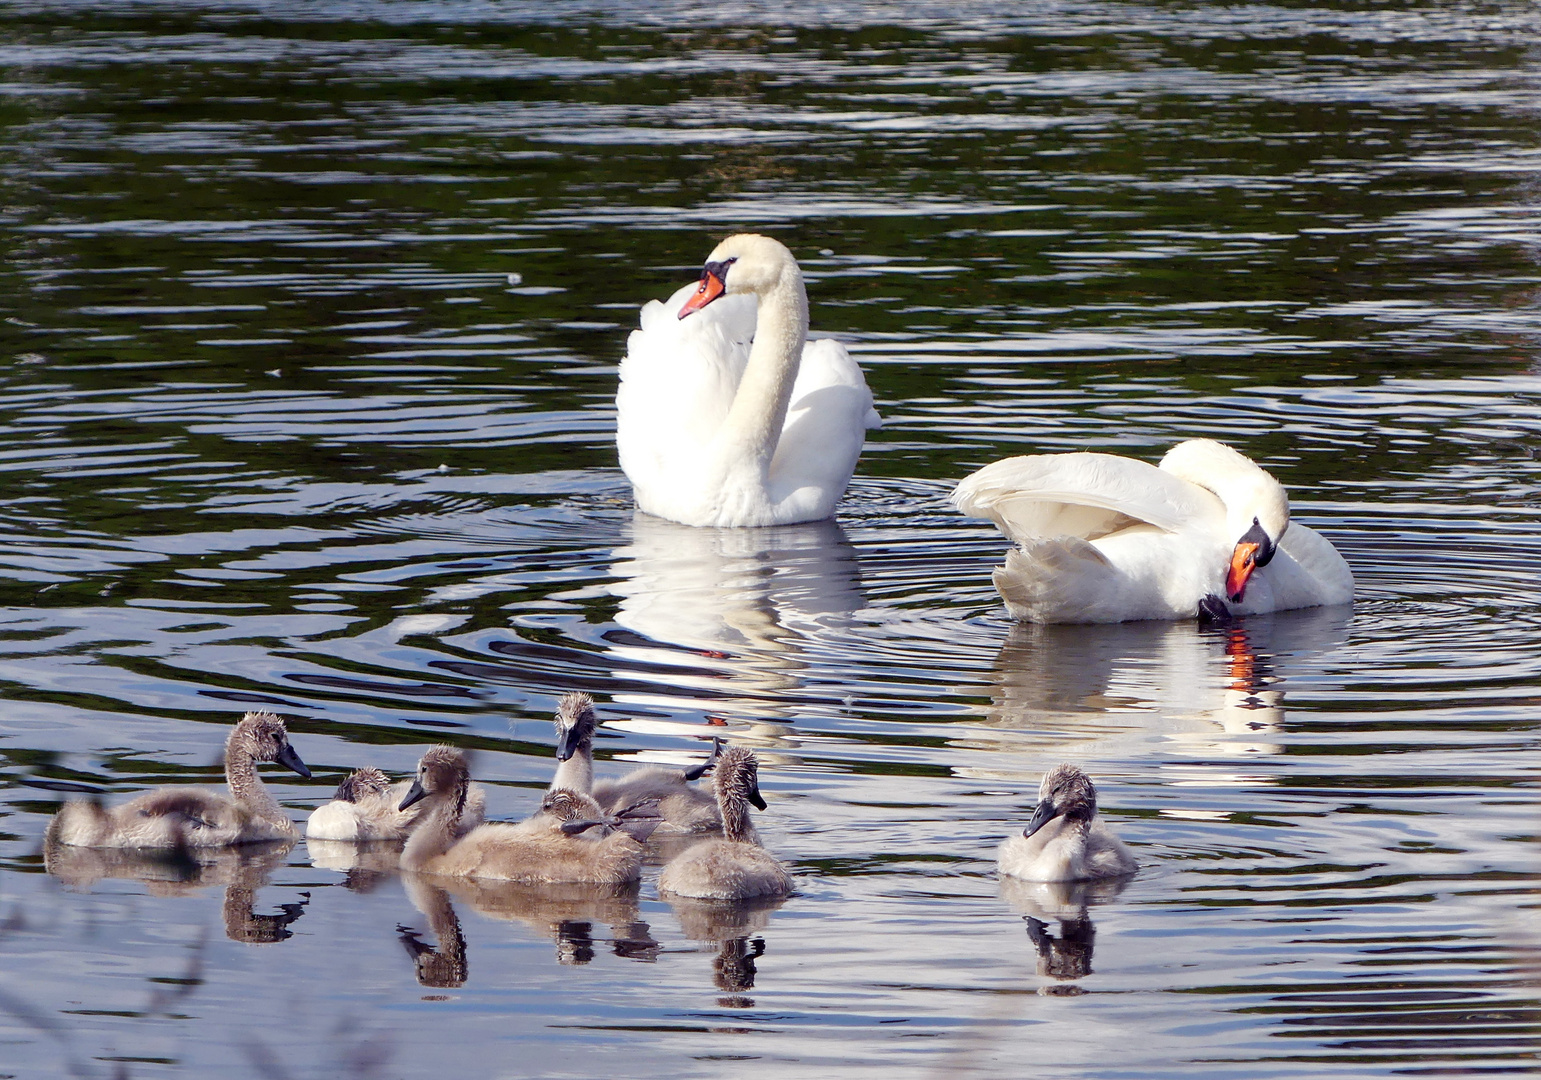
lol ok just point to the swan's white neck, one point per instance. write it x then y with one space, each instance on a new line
749 433
1246 489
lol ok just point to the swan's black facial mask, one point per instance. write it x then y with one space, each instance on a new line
1265 543
1253 550
714 282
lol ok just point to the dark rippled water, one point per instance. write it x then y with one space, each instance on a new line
311 317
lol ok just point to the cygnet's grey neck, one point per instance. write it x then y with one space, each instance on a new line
436 833
577 772
245 785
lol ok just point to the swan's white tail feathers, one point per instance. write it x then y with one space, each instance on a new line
1058 579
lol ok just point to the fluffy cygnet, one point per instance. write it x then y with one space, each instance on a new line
558 843
735 867
176 817
1065 840
367 807
683 807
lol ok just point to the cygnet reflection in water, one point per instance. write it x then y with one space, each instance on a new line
363 864
444 965
740 604
1059 924
565 912
728 924
241 870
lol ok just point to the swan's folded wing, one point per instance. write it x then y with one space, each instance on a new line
677 383
1082 495
826 425
826 363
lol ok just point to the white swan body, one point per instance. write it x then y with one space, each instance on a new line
1106 539
1065 840
726 415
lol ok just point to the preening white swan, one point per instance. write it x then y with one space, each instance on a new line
1109 539
724 416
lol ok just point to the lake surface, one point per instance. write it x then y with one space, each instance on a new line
311 316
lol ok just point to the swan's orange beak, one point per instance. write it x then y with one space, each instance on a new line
710 289
1243 562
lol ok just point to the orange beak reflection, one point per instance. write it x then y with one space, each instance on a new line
1243 562
710 289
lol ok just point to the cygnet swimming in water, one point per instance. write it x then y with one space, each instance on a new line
175 817
735 867
683 808
1065 840
367 807
568 839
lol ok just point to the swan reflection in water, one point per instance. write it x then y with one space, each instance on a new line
729 925
567 913
1212 689
1059 924
722 620
241 870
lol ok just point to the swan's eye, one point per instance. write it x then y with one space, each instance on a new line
718 270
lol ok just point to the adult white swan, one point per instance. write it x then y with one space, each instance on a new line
724 416
1108 539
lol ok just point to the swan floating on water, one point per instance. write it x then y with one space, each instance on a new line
194 817
1065 840
366 807
734 867
726 414
1103 539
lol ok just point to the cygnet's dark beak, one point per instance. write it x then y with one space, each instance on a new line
573 828
1043 813
290 760
754 795
414 794
566 743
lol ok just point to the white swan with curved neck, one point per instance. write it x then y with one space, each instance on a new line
726 414
1110 539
